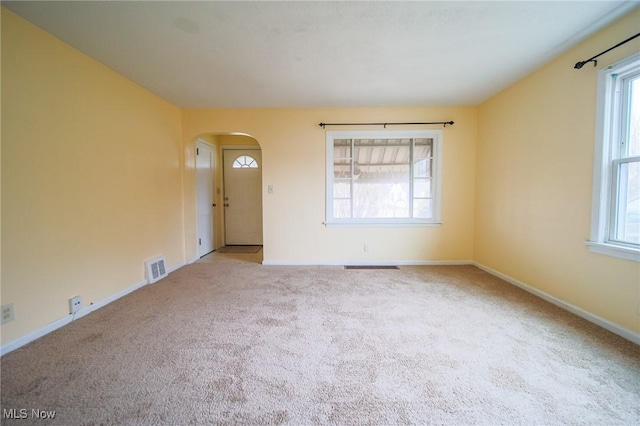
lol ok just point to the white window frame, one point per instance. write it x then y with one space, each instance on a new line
610 121
435 135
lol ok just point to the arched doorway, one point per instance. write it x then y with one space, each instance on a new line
232 211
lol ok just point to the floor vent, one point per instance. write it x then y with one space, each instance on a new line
156 269
370 267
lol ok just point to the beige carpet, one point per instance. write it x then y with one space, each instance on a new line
229 341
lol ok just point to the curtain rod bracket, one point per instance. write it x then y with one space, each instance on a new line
583 63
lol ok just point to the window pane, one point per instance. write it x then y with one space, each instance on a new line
341 209
634 118
382 174
245 162
380 199
628 214
422 148
342 148
422 154
381 153
422 168
342 188
422 188
423 208
342 169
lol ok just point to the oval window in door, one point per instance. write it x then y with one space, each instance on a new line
245 162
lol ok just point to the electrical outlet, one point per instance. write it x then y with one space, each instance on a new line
7 313
75 303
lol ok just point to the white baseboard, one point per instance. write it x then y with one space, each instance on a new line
367 263
178 266
11 346
192 260
606 324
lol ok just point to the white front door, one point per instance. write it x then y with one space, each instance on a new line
205 193
243 196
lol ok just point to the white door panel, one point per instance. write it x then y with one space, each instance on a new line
243 196
205 190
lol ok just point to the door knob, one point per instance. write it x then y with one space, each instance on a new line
226 204
213 205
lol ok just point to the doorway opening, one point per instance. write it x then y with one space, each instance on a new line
228 192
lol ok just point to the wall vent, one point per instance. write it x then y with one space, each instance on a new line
156 269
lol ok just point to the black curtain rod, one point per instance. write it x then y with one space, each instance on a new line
323 125
593 59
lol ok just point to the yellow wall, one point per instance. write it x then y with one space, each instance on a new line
293 155
534 180
91 178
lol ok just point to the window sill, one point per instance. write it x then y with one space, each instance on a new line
380 224
621 252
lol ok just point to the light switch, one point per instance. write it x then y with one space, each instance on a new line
270 189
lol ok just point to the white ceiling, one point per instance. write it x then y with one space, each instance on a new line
210 54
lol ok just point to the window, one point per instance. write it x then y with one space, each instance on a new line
245 162
383 177
615 225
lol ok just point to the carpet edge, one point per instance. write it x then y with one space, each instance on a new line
599 321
